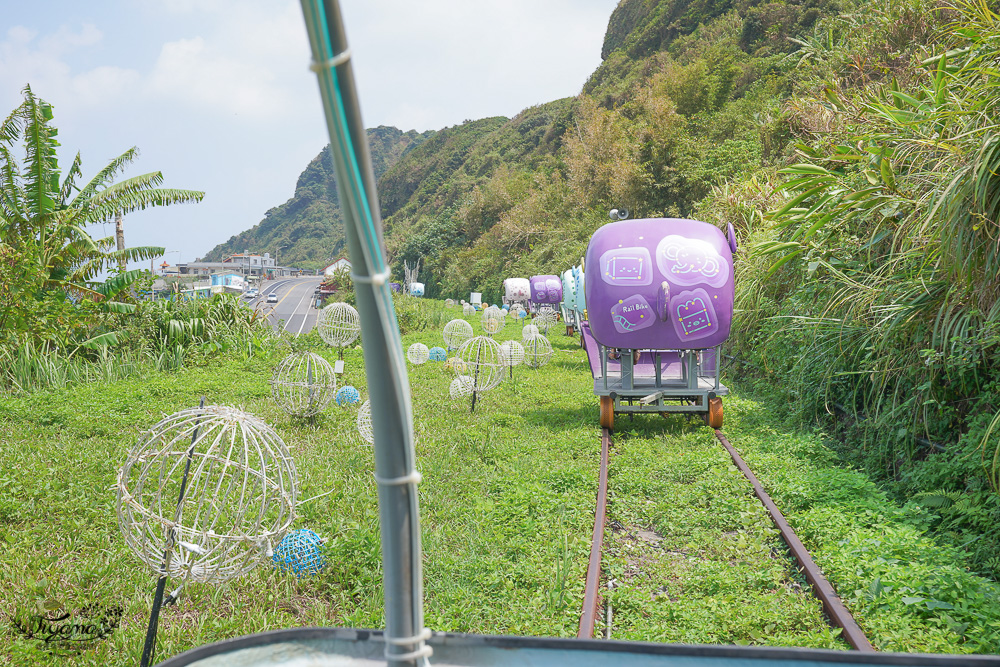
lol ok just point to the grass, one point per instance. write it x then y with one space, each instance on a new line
507 510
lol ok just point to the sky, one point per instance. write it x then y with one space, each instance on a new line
218 96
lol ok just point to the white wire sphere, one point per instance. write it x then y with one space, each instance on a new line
481 356
418 354
511 353
239 500
339 324
461 386
457 332
365 423
303 384
545 318
528 331
537 351
448 303
468 309
493 321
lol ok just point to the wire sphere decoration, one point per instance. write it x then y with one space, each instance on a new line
457 332
239 498
545 318
511 353
303 384
448 303
528 331
468 309
461 387
481 359
522 313
299 552
418 354
364 423
347 395
493 321
437 354
537 351
339 324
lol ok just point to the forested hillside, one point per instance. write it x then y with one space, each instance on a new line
854 147
308 227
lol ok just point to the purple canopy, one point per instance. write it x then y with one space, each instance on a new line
661 283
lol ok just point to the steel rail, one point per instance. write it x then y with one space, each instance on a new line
835 609
592 591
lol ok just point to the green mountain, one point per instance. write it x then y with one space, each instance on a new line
308 227
477 201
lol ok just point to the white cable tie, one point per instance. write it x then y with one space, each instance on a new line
330 63
421 636
198 549
423 651
378 279
413 478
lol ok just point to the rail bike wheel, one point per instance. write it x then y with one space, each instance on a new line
608 413
714 415
569 330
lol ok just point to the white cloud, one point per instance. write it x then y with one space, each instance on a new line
104 85
66 39
242 62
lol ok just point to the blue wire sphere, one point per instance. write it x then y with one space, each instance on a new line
299 552
506 306
438 354
347 395
522 314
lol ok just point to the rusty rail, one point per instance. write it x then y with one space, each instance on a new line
592 591
835 609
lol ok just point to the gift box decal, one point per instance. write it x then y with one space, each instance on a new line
627 266
693 315
632 314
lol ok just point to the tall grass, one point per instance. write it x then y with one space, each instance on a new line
31 366
890 232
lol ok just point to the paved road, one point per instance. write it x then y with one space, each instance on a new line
295 310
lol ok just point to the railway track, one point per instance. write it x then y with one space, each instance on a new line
837 614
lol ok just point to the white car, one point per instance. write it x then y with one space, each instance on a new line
252 293
272 298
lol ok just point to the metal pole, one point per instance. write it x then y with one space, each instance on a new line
154 615
385 365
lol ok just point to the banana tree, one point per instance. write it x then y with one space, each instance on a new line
44 217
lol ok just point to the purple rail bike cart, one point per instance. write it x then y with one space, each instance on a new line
546 290
659 296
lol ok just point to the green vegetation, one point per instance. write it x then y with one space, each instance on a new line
57 324
507 509
870 280
853 147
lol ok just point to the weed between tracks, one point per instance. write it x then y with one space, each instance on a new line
693 556
507 511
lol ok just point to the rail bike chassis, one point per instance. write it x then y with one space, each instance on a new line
655 381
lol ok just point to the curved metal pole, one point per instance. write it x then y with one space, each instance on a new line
385 367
